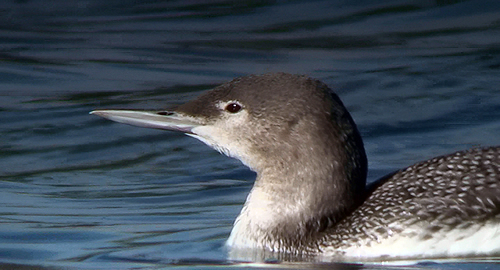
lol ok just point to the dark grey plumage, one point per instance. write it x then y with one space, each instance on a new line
452 192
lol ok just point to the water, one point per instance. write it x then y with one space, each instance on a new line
421 78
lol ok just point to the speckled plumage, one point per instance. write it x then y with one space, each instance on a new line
309 200
453 192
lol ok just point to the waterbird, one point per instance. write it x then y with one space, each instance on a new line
310 199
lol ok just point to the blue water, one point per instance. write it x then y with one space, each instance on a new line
421 78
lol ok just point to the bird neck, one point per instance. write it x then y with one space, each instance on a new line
286 209
305 183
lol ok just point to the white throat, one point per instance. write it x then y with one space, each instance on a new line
255 219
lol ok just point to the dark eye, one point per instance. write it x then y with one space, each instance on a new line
233 107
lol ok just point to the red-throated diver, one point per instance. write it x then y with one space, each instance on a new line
309 198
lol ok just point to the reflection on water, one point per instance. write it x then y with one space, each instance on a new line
421 79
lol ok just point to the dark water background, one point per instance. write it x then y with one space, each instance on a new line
421 78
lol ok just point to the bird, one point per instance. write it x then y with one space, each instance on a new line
310 200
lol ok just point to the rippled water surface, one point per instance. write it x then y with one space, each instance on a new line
421 78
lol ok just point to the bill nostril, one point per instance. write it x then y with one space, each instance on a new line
166 113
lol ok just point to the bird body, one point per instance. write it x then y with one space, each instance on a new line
310 199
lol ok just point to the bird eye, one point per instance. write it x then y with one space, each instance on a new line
233 107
